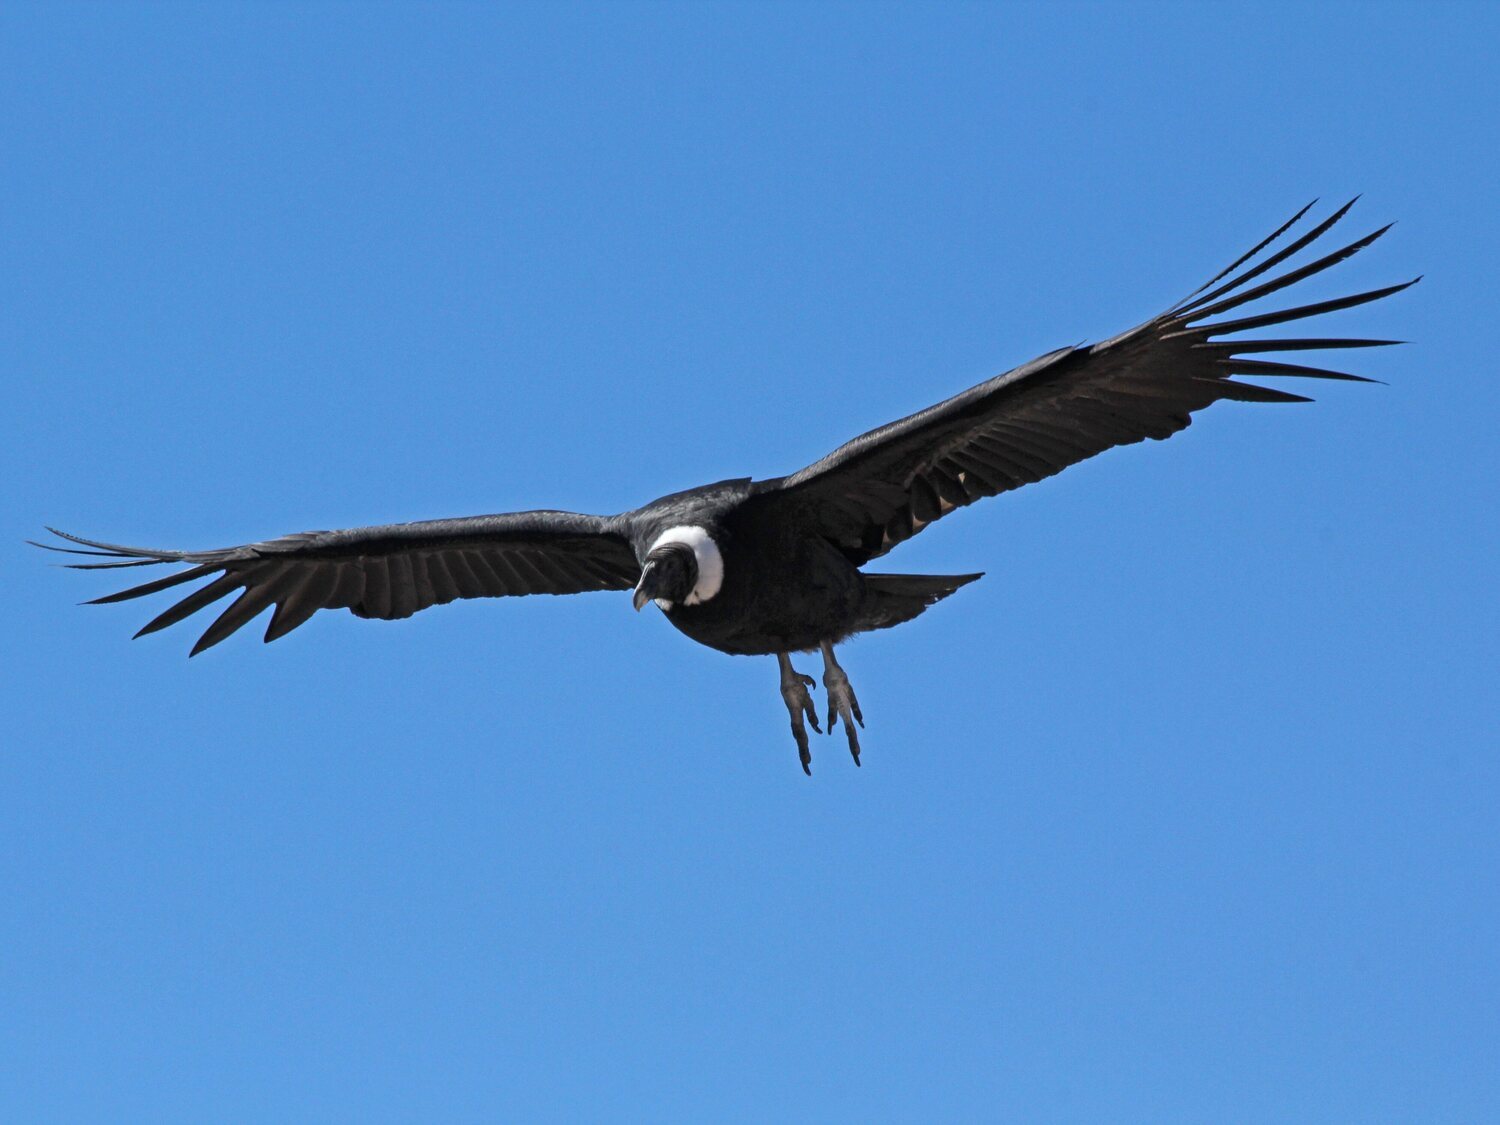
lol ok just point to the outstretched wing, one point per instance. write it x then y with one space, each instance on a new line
1063 407
386 572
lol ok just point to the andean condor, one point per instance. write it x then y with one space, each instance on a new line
773 567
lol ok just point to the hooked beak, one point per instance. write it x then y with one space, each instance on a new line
642 595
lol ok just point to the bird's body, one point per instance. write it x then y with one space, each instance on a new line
778 566
782 590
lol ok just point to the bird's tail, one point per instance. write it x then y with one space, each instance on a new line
891 599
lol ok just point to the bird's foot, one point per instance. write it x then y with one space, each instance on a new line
799 703
842 702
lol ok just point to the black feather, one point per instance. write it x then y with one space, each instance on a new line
1281 317
1186 312
203 596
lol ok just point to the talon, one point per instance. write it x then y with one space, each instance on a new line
842 703
799 706
853 742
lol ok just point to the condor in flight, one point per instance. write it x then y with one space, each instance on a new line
773 567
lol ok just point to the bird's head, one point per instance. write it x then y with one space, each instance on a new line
669 576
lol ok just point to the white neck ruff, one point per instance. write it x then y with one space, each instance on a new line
705 551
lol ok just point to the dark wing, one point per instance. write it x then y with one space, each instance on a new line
386 572
882 488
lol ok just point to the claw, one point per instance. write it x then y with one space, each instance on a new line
799 706
841 705
853 740
799 732
841 701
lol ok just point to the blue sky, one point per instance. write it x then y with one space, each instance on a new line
1187 811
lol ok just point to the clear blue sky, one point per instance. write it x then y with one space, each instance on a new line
1187 811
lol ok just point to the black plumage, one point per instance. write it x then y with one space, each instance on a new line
773 567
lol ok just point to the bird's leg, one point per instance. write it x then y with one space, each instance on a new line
794 687
841 700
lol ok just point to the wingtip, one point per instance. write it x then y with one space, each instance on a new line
209 639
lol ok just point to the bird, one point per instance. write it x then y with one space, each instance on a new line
775 567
